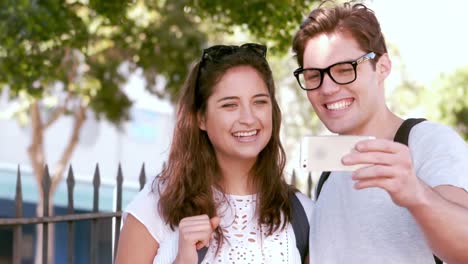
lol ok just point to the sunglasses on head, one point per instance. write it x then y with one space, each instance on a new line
217 52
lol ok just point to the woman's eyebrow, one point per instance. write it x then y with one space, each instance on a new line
227 98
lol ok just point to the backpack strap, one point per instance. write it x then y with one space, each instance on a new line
201 254
402 134
323 178
300 225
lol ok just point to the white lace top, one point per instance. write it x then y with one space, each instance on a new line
245 241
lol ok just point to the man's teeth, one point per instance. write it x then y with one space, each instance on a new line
246 134
338 105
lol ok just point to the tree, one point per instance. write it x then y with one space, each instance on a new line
445 100
71 57
64 57
272 22
452 94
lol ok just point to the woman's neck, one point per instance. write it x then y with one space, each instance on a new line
235 177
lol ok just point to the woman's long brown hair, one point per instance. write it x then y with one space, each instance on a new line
185 184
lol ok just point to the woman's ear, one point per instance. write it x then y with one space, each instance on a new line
201 121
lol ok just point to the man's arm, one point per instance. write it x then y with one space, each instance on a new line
441 212
443 217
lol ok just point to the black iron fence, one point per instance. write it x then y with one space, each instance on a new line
72 217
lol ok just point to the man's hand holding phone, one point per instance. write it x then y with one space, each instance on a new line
374 162
392 170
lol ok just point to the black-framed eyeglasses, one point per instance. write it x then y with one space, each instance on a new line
341 73
217 52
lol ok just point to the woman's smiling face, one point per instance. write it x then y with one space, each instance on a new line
238 117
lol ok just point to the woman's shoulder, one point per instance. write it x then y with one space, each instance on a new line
145 208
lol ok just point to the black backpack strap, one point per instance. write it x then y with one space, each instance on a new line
300 225
402 136
323 178
201 254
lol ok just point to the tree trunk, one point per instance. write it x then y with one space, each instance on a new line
37 157
39 232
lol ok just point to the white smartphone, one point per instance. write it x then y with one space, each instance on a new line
324 153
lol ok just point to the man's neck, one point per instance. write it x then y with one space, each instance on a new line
383 125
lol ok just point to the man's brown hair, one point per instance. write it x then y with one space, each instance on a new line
354 19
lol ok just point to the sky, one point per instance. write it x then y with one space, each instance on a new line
431 35
135 89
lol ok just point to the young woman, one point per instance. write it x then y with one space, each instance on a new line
222 197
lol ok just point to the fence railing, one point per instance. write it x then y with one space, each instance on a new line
71 217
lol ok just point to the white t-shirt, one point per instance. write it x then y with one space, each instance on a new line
245 242
365 226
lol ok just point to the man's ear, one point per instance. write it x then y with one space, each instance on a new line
201 121
384 66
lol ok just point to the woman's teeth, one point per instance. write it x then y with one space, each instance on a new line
245 134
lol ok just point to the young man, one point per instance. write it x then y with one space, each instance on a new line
412 202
